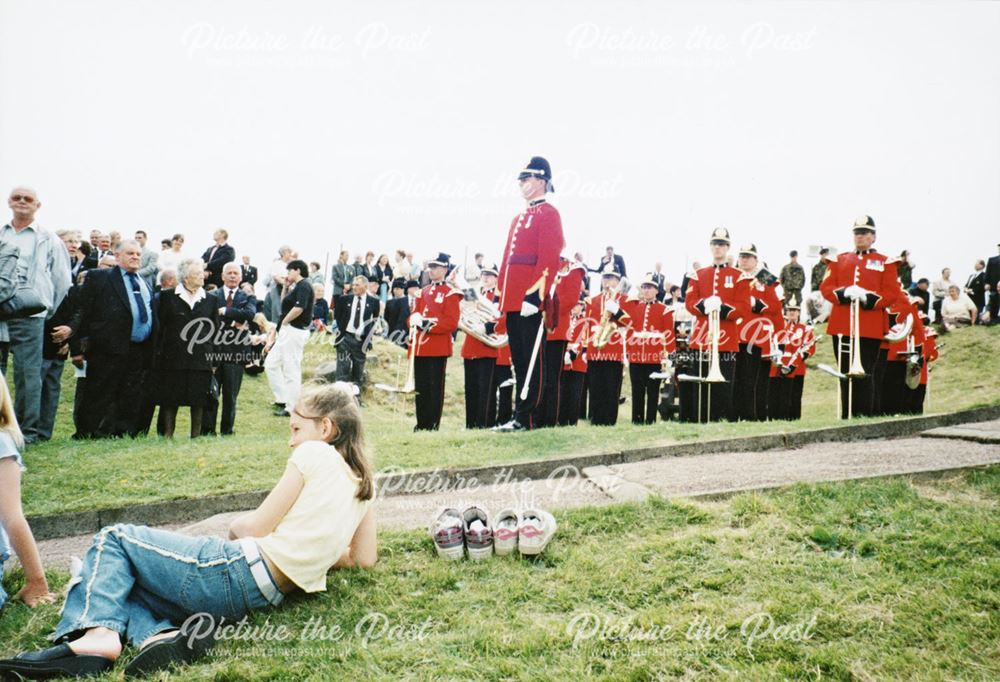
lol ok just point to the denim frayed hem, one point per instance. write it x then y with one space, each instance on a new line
63 631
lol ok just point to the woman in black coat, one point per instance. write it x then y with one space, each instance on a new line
188 320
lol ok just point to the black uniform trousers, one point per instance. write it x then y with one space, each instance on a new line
645 393
865 389
478 389
605 378
715 401
551 382
915 399
501 406
571 393
784 397
745 382
230 378
521 334
428 379
892 397
115 393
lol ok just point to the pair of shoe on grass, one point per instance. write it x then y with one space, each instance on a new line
454 532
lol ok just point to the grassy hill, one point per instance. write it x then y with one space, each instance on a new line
67 475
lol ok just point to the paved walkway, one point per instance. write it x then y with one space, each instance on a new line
974 445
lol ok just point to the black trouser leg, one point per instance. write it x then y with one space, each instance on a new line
778 395
794 409
521 335
169 415
501 408
745 381
551 398
717 400
760 392
645 392
863 388
571 390
196 414
428 379
605 385
232 381
478 386
893 388
994 310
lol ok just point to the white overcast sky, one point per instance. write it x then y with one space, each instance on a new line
403 124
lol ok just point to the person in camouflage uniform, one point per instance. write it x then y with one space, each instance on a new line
793 279
819 270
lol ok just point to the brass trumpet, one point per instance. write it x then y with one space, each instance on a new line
714 329
606 327
855 370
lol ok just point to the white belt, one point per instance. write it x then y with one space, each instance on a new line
258 569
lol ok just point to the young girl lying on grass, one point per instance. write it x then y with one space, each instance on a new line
141 584
14 530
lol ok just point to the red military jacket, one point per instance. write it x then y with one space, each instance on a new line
439 301
765 317
650 333
900 309
615 348
869 270
473 348
725 282
568 288
930 352
576 344
534 243
503 353
797 343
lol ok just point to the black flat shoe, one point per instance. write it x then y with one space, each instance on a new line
56 661
166 652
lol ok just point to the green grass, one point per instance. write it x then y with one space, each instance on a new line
66 475
877 579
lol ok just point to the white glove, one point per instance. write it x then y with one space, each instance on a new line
855 293
528 309
712 304
775 357
567 359
612 306
416 319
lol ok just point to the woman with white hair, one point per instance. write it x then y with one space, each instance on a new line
188 321
957 309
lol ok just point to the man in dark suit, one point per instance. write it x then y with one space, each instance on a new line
116 324
661 281
236 310
248 273
355 315
616 261
397 309
102 249
217 256
975 287
993 287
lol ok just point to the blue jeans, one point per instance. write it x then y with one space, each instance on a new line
26 347
3 595
139 581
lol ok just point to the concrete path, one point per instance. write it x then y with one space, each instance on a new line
698 475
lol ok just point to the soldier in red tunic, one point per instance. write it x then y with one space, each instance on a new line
796 342
929 355
433 321
568 285
869 278
605 348
479 360
717 288
755 334
650 338
529 264
574 366
894 394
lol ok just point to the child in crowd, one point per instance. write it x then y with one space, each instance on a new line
157 589
14 530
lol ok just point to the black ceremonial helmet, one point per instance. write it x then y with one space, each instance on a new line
538 167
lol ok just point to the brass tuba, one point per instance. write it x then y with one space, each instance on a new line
476 312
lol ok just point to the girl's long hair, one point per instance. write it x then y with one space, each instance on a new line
337 403
8 420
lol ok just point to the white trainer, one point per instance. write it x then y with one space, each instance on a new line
535 530
446 531
478 532
505 531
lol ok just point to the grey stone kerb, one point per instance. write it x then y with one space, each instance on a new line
50 526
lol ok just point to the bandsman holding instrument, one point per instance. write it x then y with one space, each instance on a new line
568 286
904 356
860 284
755 331
530 261
716 296
574 366
796 342
649 342
431 325
930 354
479 356
605 348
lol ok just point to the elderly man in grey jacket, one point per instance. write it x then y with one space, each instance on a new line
42 264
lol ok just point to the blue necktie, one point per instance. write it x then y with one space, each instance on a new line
143 315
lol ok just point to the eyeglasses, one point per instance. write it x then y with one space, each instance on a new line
22 197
